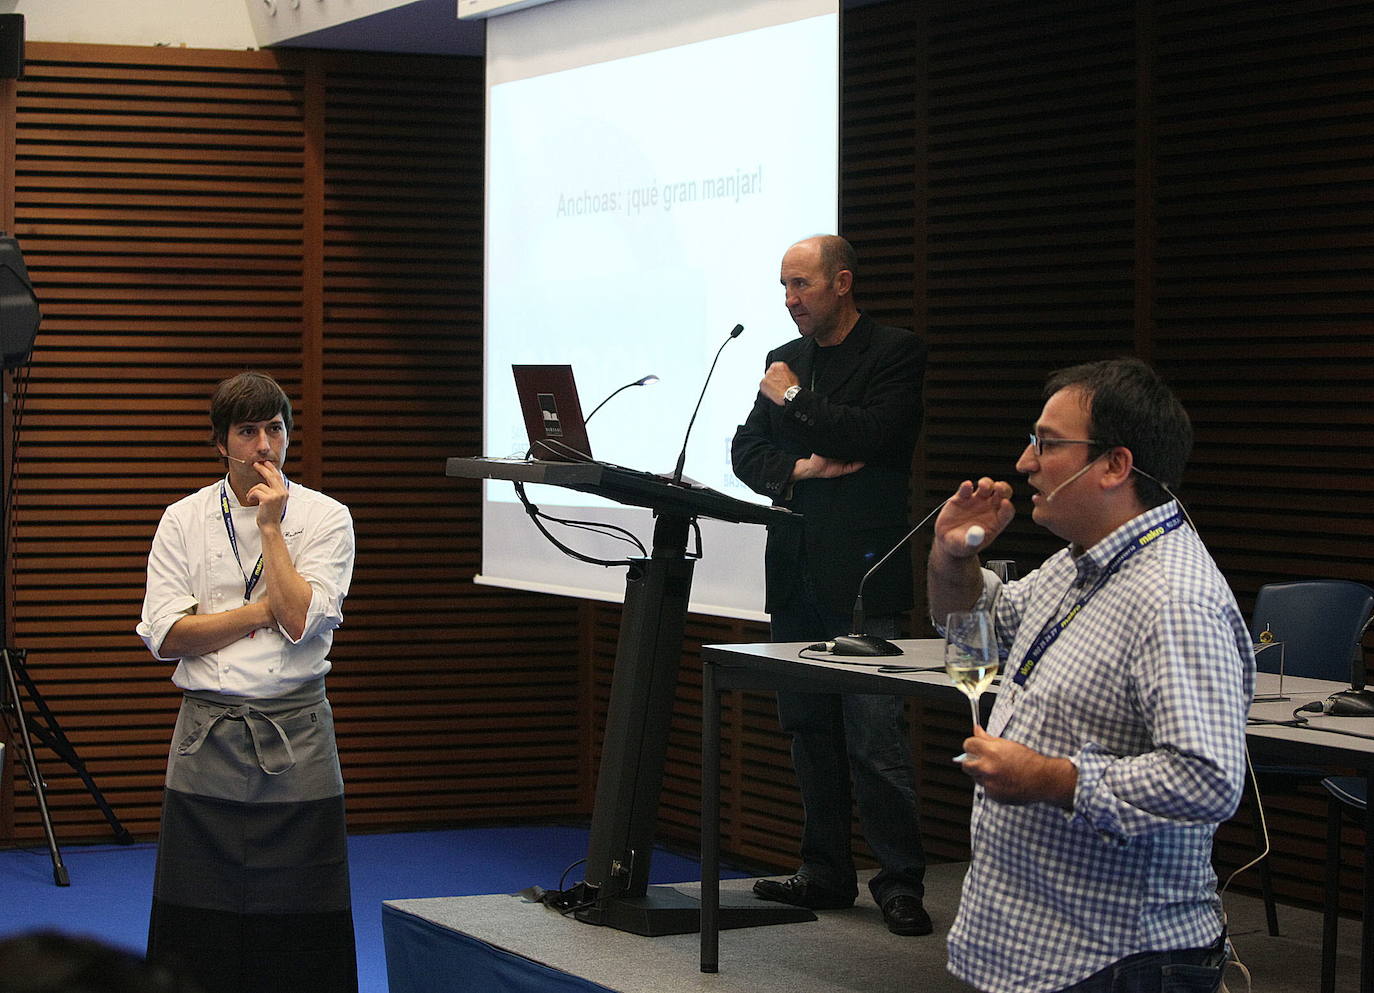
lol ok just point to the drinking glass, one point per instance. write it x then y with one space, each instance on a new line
971 658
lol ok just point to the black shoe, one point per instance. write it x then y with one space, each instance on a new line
802 892
903 914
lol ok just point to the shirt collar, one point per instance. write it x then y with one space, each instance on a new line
229 491
1095 559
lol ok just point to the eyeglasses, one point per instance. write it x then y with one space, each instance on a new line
1040 444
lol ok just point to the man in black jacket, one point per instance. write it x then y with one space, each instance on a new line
830 436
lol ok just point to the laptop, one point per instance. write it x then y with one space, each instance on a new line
553 415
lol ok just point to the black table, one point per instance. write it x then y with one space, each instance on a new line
1326 742
777 666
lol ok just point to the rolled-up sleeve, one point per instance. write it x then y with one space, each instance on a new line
325 561
1193 695
168 597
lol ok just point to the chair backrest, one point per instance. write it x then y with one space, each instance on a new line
1319 622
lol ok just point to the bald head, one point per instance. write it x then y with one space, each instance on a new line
818 276
836 254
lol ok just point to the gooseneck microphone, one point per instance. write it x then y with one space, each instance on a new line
648 380
735 332
858 643
1356 701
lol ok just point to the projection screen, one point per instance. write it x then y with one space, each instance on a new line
647 165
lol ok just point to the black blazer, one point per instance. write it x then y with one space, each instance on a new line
864 405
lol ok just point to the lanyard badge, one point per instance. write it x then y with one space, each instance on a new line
1050 633
250 580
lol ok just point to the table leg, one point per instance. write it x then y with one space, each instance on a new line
710 819
1367 921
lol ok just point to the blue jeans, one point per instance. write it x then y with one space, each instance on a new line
835 736
1184 970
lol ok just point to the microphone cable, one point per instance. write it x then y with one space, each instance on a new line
1172 496
538 517
1264 826
556 446
1233 956
1134 468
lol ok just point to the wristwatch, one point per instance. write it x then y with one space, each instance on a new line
790 394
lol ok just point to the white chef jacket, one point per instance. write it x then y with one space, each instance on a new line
192 569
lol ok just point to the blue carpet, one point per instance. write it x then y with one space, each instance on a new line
111 885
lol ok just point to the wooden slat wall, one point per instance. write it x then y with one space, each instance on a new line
185 215
1263 310
1027 151
1189 182
458 702
158 200
1058 182
1030 163
760 810
1264 235
1029 185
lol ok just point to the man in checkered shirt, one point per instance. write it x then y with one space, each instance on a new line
1117 742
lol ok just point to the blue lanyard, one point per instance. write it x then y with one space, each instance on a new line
248 581
1050 633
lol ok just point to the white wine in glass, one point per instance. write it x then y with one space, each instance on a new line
971 658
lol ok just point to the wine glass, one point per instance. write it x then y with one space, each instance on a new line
971 658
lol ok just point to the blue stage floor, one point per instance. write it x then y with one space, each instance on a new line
111 885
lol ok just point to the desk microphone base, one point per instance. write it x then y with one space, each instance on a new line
1350 703
663 910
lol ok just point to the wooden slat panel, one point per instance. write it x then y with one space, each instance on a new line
1027 185
402 356
125 169
760 806
1030 157
182 213
1182 180
1262 214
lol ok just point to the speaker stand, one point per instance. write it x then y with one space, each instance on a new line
49 733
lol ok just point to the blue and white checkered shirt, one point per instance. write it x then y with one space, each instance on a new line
1146 691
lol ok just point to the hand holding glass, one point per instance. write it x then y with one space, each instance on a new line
971 658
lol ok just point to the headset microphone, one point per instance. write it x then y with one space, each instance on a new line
1051 495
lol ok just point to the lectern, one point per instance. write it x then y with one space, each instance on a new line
647 656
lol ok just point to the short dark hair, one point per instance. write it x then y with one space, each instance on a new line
1130 406
249 396
837 254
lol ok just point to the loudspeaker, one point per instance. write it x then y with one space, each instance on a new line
11 46
19 314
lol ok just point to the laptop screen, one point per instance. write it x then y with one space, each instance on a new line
553 415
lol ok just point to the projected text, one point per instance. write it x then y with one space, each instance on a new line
731 187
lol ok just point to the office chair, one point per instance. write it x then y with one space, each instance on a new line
1348 796
1320 623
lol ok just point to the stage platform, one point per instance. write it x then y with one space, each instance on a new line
500 942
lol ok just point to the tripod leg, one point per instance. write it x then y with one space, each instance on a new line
59 870
50 733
